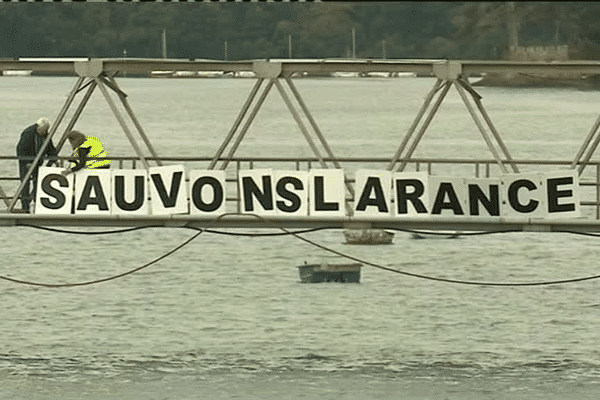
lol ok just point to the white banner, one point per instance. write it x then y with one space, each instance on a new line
378 194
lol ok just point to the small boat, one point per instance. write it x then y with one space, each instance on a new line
16 72
368 236
317 273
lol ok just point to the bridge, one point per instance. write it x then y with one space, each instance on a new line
102 75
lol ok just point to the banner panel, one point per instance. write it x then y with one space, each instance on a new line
168 190
373 193
208 192
327 192
130 192
291 193
93 191
256 191
54 192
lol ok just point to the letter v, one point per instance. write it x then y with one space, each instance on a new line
167 200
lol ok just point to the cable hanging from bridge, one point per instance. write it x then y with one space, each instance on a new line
296 234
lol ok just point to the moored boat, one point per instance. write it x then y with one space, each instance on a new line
317 273
368 236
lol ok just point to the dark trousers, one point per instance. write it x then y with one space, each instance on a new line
27 194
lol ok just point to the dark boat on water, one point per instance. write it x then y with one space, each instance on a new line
317 273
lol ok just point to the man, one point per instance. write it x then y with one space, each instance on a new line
83 147
32 139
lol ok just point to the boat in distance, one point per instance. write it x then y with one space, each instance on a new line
318 273
368 236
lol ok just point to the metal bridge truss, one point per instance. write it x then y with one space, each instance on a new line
100 73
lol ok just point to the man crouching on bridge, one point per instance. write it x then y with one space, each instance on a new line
84 147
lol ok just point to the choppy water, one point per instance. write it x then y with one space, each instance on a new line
226 317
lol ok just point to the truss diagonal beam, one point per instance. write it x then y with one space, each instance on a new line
78 111
117 114
137 124
302 127
487 139
246 126
236 123
294 113
415 123
445 87
312 121
585 145
477 99
590 151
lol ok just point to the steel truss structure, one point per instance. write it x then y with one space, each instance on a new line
101 73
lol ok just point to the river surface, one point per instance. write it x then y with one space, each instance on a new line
226 317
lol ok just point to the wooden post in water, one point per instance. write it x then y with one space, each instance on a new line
164 43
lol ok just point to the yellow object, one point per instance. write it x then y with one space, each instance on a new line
97 150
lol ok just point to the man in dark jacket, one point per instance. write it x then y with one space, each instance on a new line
32 139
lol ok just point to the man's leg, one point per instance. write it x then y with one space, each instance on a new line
25 193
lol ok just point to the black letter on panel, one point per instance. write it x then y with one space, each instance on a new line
50 191
197 194
403 197
265 198
92 182
373 183
287 195
320 204
513 199
554 195
138 200
476 195
452 204
167 200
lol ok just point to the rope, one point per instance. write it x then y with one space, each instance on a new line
452 233
110 278
296 234
45 228
96 281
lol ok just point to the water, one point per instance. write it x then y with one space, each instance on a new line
226 317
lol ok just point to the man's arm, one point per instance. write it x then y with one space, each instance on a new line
82 152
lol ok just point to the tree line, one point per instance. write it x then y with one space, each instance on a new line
459 30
